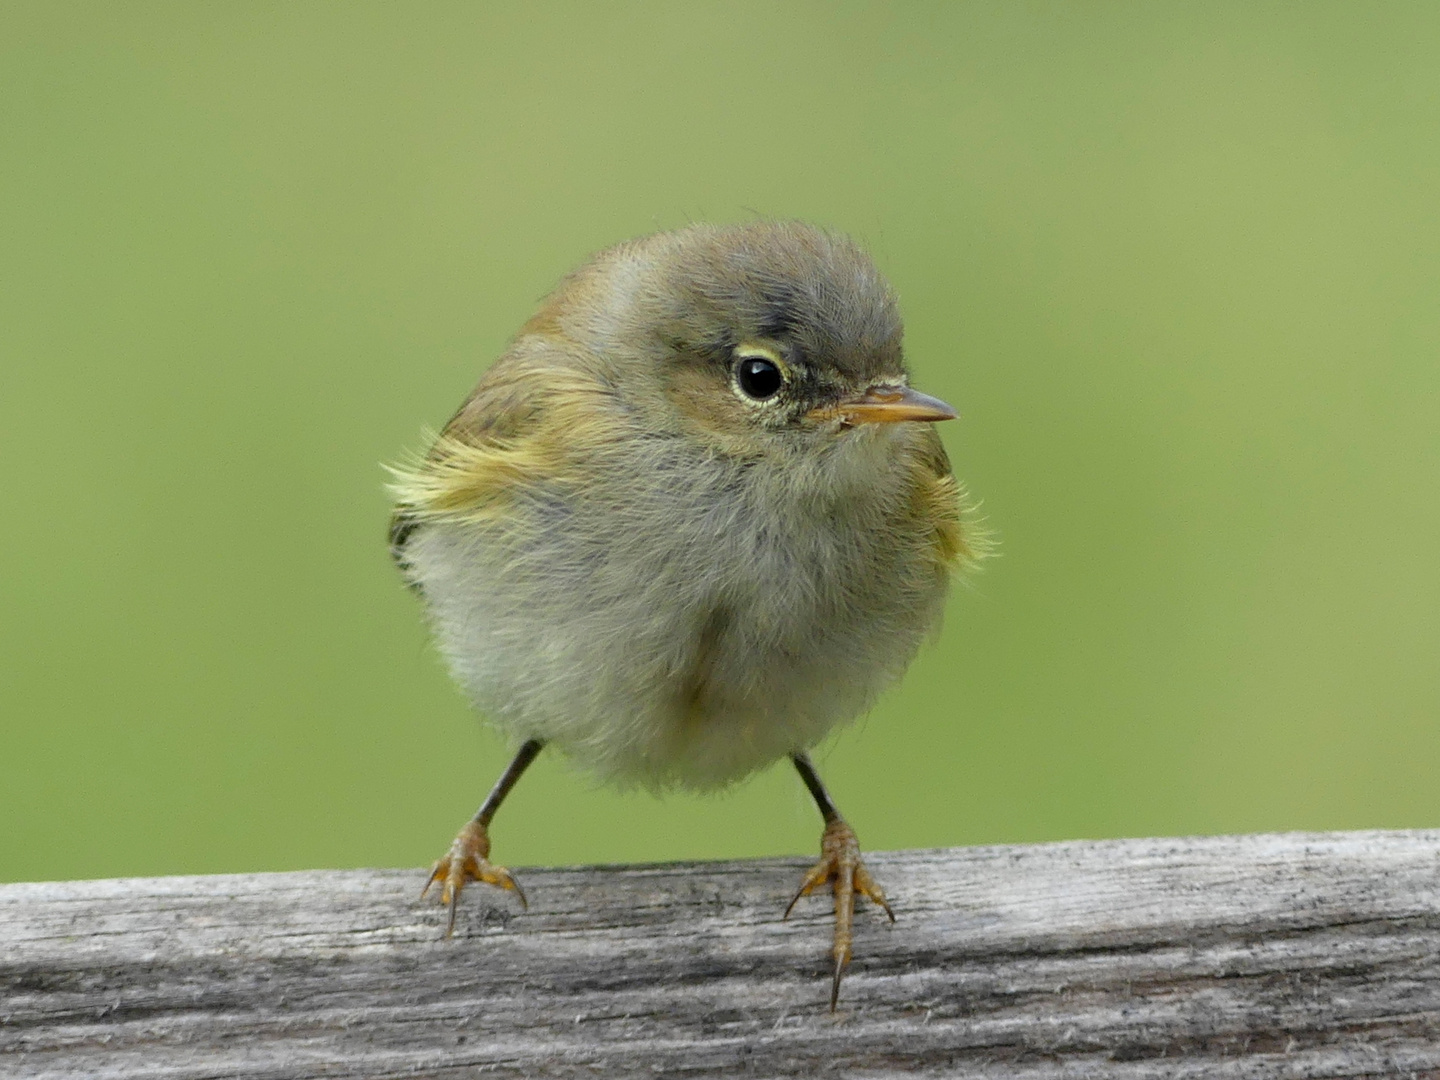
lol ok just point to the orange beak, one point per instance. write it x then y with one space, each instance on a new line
886 405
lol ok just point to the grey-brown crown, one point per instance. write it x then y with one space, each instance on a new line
816 292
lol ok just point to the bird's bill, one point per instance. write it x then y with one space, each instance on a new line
886 405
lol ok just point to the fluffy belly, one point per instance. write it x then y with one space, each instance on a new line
666 659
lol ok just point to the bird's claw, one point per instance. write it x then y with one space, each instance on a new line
840 864
466 861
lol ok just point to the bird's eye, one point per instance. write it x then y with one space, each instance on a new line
759 377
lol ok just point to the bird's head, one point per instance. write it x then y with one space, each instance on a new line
753 336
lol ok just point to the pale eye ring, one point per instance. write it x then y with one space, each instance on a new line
758 374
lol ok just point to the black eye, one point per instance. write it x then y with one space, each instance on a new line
759 378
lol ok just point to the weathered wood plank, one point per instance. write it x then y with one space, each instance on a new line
1308 955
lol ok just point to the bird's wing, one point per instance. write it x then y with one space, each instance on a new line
959 539
511 432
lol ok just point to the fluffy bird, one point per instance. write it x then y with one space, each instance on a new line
692 519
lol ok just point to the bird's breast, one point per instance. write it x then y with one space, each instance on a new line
684 618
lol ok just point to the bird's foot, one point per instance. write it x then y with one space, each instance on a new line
840 863
466 861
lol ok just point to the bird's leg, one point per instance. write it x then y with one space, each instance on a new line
468 857
839 863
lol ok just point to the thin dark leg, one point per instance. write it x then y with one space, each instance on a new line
817 789
467 859
516 769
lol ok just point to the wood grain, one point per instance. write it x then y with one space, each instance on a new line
1303 955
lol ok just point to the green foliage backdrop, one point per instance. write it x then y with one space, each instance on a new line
1176 264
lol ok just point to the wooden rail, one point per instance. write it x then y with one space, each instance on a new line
1303 955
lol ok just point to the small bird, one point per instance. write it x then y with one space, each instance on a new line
691 520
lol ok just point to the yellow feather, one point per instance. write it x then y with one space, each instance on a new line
961 541
469 475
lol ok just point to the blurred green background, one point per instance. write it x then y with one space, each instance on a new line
1178 265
